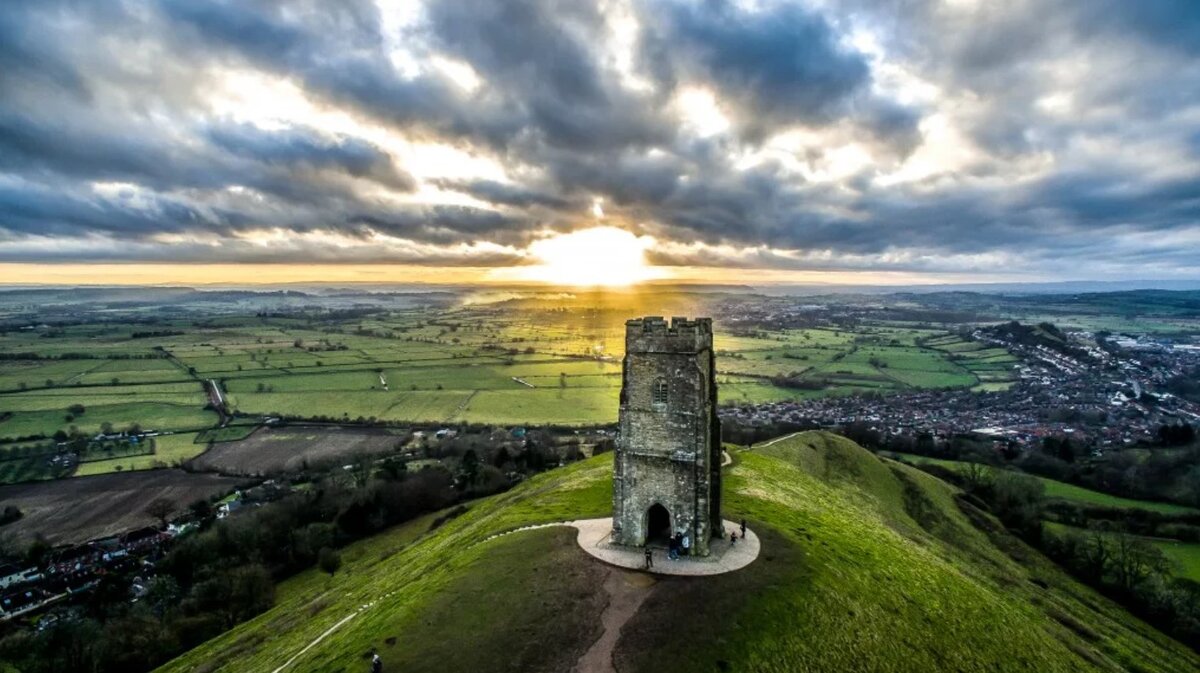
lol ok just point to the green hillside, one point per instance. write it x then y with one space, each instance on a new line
867 565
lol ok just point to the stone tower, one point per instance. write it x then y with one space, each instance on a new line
667 471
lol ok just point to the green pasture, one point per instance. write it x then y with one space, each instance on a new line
396 405
473 364
169 451
149 415
22 374
229 433
1184 557
542 406
1064 491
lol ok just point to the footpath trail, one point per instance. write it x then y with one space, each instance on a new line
777 439
626 591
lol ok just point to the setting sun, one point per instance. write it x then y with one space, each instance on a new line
600 256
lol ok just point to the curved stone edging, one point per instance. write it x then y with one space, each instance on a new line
723 557
593 539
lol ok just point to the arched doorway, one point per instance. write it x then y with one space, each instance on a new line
658 524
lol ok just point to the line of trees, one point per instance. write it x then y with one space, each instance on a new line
29 355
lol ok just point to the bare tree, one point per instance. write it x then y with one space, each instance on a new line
361 469
161 509
1135 560
1097 554
977 475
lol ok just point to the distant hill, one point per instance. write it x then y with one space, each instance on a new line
868 565
1182 303
1042 334
1032 288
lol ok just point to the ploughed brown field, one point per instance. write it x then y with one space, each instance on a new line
277 450
66 511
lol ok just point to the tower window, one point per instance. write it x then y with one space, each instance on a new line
660 392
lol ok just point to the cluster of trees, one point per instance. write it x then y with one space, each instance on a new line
321 315
496 454
1170 472
80 356
795 381
1179 434
225 573
1172 475
1176 526
81 443
1186 385
1134 573
1108 554
735 432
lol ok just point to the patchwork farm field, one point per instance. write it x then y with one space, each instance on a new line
470 364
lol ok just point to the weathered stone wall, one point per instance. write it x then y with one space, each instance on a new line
668 451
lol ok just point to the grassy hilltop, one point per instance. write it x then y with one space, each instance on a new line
868 565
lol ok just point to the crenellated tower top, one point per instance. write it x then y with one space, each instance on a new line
653 334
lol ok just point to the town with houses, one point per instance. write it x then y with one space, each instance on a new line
1105 392
63 573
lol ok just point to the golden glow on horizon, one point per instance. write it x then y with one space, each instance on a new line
234 274
596 257
240 275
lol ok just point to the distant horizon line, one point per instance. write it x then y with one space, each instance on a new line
1171 284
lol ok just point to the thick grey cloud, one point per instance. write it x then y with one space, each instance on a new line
542 59
302 148
507 194
784 63
921 135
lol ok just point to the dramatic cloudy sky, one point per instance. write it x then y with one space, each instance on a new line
819 138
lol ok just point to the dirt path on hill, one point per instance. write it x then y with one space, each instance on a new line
626 591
